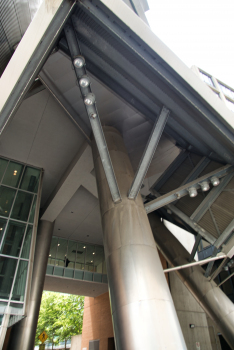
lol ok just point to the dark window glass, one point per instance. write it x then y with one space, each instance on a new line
98 259
226 286
2 228
80 256
71 255
30 179
27 243
61 252
6 198
3 165
53 250
20 281
2 307
90 255
22 206
13 239
32 213
13 174
7 271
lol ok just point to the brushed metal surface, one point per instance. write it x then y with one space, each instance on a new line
210 297
142 309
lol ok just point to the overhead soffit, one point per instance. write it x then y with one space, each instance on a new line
118 58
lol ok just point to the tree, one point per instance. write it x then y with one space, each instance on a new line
61 316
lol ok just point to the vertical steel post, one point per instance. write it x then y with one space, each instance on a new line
23 333
142 309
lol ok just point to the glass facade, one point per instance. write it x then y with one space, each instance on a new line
77 260
207 79
18 197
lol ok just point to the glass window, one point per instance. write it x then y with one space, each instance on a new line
227 91
30 179
80 256
13 174
207 79
16 308
13 239
61 252
2 228
2 307
53 250
7 271
71 255
22 206
32 213
6 198
27 243
98 259
3 165
90 255
20 281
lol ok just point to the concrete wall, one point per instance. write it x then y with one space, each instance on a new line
76 342
190 312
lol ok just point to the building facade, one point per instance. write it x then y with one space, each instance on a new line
105 134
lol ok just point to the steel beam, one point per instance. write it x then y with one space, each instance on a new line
183 190
148 153
188 221
226 279
222 238
210 198
217 271
196 244
32 52
93 117
169 171
154 64
197 170
200 262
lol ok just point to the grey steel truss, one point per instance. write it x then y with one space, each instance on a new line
148 153
93 115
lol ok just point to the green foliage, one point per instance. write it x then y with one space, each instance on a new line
61 316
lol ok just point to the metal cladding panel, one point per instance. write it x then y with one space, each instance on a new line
15 17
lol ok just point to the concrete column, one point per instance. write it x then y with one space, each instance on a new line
210 297
23 333
142 309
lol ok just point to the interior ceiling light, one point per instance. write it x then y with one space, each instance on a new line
93 253
84 81
215 181
15 172
192 192
79 62
205 186
84 247
89 99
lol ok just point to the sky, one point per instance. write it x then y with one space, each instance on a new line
199 32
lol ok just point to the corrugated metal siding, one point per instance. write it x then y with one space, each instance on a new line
180 174
207 223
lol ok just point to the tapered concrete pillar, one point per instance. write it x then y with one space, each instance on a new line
210 297
23 333
142 309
